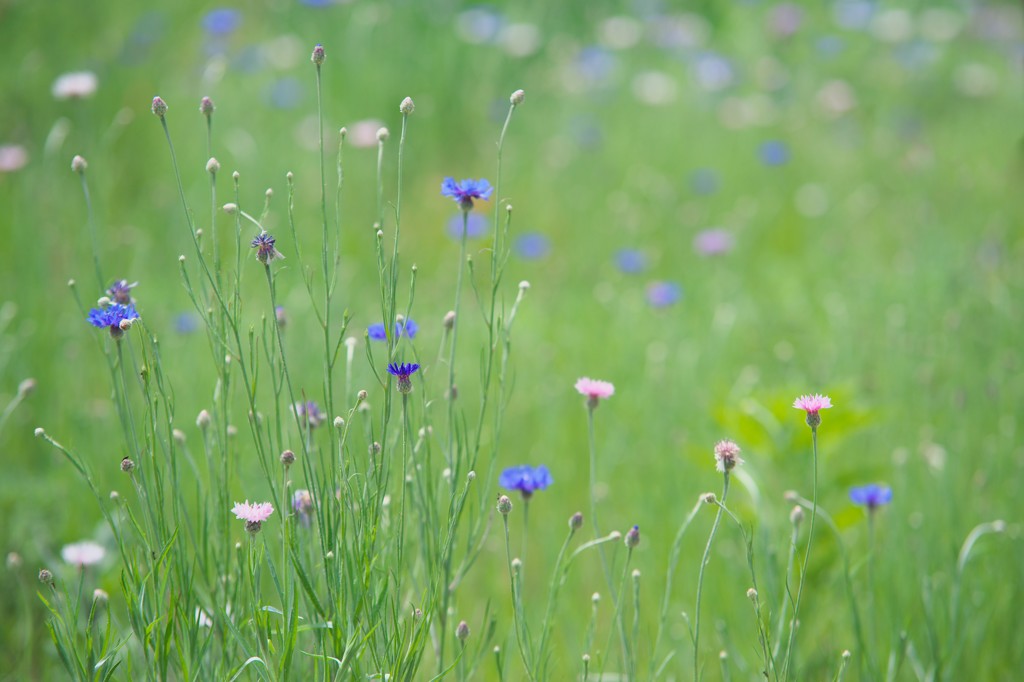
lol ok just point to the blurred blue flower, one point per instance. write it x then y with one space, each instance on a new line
630 261
476 226
595 64
526 479
663 294
317 3
478 25
286 93
309 414
853 14
221 21
704 181
376 331
186 323
713 72
532 246
773 153
871 496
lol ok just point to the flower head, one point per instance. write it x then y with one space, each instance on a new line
318 55
264 243
121 291
253 514
309 414
871 496
633 537
727 456
85 553
811 404
526 479
114 317
406 327
302 503
403 372
663 294
74 85
464 192
594 390
158 107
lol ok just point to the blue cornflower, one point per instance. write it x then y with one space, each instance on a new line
871 496
377 332
532 246
186 323
121 292
663 294
630 261
526 479
113 317
266 252
222 21
309 414
302 503
403 372
464 192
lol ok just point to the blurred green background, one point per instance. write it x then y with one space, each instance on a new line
719 206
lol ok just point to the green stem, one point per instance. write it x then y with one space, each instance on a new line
700 581
807 557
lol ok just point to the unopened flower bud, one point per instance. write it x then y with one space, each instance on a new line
203 420
471 476
524 285
633 537
462 631
287 458
517 565
504 505
615 535
45 577
595 598
269 194
115 496
407 106
100 596
636 574
213 166
752 594
586 659
125 325
318 55
179 436
39 432
846 654
449 319
235 176
159 107
343 132
230 209
361 396
382 134
26 387
797 515
181 258
576 521
517 98
339 423
206 106
232 430
127 465
79 164
375 448
329 555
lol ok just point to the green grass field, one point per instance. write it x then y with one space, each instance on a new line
859 163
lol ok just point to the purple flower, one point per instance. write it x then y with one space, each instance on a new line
121 292
309 414
266 252
663 294
302 503
115 318
464 192
871 496
526 479
403 372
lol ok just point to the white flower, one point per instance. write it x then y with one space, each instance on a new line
75 85
85 553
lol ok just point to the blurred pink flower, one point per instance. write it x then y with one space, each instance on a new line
85 553
713 242
727 455
75 85
595 389
12 157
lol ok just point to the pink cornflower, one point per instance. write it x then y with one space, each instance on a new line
811 404
594 390
253 514
81 554
727 456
